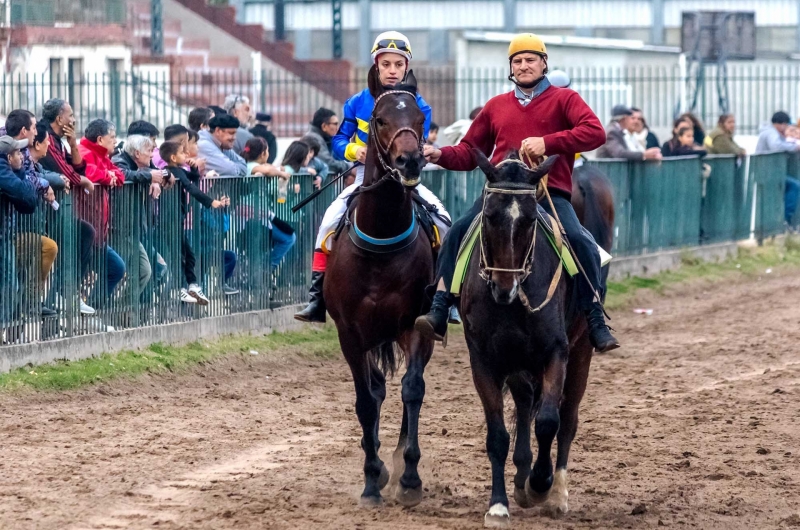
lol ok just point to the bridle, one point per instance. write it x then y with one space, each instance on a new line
522 272
507 188
383 152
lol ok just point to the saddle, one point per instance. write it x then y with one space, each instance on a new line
423 218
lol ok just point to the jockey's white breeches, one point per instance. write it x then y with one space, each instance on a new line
338 208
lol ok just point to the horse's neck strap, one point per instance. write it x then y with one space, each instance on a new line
383 245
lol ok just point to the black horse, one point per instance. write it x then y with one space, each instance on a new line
524 331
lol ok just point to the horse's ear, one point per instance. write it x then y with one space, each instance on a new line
411 79
538 173
374 81
486 166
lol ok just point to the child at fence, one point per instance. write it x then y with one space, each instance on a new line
175 156
681 144
316 163
283 238
295 162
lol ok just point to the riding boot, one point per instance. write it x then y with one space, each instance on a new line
315 310
599 334
434 324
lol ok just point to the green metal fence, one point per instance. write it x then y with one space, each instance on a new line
659 205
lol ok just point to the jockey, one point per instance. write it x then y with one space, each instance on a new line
391 53
564 125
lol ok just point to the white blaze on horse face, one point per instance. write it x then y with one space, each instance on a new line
401 105
514 213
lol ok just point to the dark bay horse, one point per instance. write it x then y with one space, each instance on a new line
541 351
376 277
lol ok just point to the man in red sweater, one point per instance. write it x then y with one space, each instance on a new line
538 119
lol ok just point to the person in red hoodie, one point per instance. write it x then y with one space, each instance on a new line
537 119
96 147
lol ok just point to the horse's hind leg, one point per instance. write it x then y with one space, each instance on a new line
522 391
547 423
575 385
368 412
418 353
490 390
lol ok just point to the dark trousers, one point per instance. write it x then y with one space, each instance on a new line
581 241
187 261
86 234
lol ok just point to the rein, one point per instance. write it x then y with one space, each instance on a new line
510 188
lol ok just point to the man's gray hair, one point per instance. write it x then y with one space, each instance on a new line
51 109
233 100
137 142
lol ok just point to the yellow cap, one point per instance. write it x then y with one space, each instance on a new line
526 42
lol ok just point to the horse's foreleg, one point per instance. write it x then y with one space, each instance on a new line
547 422
522 391
490 390
418 353
574 387
368 412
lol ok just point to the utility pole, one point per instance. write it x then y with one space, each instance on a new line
365 33
337 28
280 20
156 28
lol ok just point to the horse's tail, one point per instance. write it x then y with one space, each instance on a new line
387 356
597 197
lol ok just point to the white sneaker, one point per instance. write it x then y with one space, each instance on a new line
196 291
187 298
86 309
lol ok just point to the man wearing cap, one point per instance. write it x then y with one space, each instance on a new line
216 146
539 120
617 135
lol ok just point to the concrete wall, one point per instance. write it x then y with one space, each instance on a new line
35 58
649 264
84 347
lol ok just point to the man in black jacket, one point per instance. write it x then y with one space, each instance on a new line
261 129
324 125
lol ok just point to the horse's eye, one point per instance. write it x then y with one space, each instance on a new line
380 122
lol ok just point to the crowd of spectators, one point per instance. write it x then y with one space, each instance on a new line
40 155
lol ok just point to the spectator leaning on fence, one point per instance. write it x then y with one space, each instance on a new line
135 162
261 129
60 121
616 145
98 142
239 107
215 146
283 236
640 132
720 141
324 126
681 144
772 139
433 135
174 154
697 128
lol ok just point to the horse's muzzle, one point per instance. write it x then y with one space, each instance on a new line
503 293
410 168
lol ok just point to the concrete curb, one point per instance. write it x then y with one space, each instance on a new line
83 347
649 264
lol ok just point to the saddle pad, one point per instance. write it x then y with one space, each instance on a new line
471 237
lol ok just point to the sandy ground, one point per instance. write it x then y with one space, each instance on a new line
694 423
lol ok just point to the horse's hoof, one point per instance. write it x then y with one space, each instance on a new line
383 480
370 502
535 497
521 498
497 517
409 497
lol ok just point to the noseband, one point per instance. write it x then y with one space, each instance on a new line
383 152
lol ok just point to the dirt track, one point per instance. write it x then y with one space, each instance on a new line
696 419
